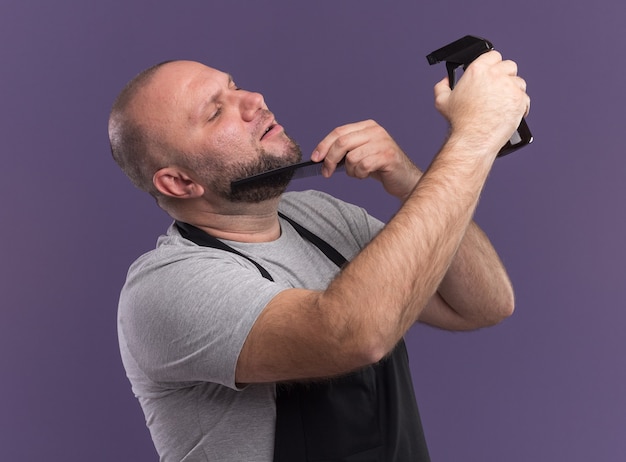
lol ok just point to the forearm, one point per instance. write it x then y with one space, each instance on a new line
429 263
383 291
476 291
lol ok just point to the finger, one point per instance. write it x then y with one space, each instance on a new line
321 150
346 146
443 86
376 151
334 147
523 87
509 67
362 163
490 57
442 92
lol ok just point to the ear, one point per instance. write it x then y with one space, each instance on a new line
175 182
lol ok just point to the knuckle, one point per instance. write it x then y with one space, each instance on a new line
338 131
360 171
496 54
341 142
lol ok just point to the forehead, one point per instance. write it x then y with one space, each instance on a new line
180 79
185 86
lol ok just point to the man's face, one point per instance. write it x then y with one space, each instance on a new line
224 133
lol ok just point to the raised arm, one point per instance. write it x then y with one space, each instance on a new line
422 263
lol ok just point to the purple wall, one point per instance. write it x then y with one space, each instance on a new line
546 385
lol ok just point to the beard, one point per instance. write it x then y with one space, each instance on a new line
220 175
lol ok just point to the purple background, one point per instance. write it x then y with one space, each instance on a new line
546 385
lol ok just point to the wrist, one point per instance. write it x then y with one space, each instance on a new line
473 145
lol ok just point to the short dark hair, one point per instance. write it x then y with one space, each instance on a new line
131 142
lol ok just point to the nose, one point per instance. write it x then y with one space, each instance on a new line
250 103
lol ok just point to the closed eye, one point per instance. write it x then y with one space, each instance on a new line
216 114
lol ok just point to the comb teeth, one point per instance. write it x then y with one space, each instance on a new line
299 170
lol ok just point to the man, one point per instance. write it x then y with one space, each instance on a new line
245 334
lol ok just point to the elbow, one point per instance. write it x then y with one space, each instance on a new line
491 314
507 304
371 352
356 337
357 344
509 308
501 304
499 315
363 355
502 309
367 346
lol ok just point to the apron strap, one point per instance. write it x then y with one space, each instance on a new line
202 238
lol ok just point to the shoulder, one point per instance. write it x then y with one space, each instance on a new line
178 262
180 297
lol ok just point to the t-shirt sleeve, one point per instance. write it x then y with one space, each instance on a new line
186 318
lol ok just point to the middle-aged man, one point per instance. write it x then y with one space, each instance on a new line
268 325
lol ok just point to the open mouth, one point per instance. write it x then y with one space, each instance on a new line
267 130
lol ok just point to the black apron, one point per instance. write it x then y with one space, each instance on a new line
366 416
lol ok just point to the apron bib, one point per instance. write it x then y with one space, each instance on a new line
366 416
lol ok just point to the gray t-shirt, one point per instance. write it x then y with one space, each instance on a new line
186 310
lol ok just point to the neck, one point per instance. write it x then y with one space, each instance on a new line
241 222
